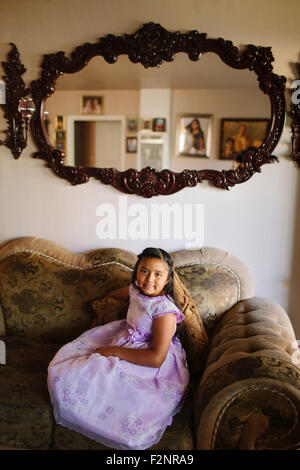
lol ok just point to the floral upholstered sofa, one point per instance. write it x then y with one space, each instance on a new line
247 395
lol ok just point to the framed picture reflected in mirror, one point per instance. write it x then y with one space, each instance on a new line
194 135
239 135
92 104
131 144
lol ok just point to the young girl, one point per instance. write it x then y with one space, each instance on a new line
120 384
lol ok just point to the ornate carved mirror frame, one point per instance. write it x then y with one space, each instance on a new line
151 45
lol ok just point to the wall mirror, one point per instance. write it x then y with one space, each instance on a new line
155 111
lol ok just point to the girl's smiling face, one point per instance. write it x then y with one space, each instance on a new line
152 276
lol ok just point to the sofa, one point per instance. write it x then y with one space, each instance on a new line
246 396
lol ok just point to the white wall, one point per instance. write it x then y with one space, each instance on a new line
257 221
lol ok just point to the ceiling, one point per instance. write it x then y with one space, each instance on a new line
209 72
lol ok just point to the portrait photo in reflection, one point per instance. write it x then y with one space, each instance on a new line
240 135
92 105
194 135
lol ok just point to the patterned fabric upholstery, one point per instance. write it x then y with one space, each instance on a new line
46 299
25 411
215 279
109 309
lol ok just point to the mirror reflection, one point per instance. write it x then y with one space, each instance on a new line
184 114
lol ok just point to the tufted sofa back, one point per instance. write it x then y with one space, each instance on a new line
46 291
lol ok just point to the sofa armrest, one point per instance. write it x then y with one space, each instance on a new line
249 393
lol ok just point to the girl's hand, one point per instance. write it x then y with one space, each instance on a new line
151 357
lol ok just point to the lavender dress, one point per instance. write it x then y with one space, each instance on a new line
112 401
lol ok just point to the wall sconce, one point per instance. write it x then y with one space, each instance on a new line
18 108
26 108
17 131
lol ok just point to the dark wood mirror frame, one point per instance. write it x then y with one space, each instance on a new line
151 45
295 115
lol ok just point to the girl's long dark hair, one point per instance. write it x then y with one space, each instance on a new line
158 253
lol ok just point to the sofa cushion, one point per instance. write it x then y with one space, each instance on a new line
215 279
26 418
